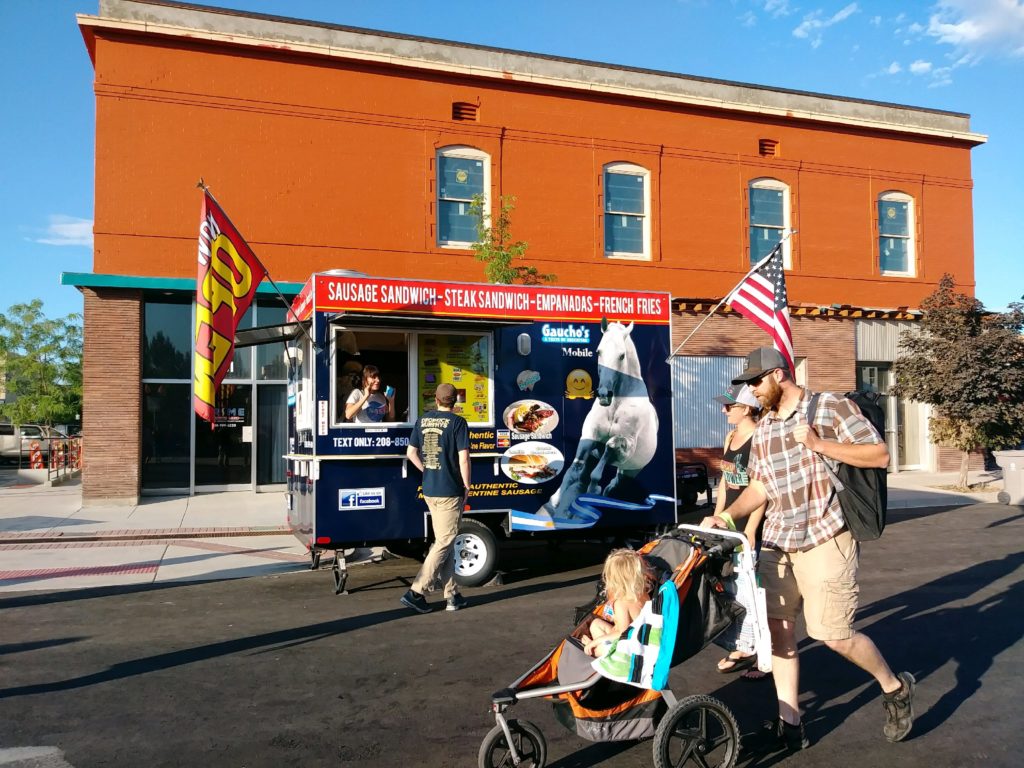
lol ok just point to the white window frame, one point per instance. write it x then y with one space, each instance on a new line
469 153
787 216
911 238
628 169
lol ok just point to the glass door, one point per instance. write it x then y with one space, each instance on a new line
224 453
271 434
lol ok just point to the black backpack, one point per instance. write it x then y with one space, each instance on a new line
863 494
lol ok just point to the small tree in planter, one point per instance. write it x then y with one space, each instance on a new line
968 364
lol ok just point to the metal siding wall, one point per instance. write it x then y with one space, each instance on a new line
698 420
878 340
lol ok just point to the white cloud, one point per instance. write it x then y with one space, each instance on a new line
915 28
813 23
876 21
777 7
894 68
920 67
67 230
749 19
980 26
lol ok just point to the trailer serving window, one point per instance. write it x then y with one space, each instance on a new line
352 351
414 363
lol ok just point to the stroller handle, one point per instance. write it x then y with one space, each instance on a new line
718 542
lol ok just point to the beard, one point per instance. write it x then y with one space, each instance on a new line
771 398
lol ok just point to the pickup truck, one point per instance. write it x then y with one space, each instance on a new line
16 441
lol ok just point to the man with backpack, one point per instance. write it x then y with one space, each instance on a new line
809 557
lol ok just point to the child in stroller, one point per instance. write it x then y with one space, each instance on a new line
623 694
627 581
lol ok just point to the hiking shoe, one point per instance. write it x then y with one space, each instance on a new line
776 736
899 709
456 603
416 601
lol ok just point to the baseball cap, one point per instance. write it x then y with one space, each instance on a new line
759 362
445 394
739 394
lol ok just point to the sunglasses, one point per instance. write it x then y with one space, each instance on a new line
762 377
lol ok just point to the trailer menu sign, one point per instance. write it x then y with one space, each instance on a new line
421 297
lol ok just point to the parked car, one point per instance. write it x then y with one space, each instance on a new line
17 441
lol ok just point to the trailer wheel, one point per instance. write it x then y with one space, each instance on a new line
476 553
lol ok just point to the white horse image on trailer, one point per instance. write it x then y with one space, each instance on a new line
621 429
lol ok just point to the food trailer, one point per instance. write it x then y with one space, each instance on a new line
567 392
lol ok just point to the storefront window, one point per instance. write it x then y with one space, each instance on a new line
167 345
270 363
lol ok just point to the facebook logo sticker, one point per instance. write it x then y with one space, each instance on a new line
360 498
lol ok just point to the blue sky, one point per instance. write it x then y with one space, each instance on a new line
959 55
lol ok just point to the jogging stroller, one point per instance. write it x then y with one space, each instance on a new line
625 696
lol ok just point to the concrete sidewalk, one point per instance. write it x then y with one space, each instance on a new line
40 513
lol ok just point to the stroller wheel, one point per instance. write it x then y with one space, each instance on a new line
527 739
699 731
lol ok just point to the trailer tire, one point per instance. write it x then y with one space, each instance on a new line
476 553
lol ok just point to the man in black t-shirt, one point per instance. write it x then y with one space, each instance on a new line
439 447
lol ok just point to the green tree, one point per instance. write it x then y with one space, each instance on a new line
494 245
41 365
968 364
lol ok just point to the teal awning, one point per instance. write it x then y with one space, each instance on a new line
148 283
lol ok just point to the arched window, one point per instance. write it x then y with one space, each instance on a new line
896 234
627 208
462 172
769 219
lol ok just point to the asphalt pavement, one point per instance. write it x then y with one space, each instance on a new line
275 670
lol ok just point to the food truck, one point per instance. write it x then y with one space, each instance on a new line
567 393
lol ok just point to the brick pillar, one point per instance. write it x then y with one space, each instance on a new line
112 396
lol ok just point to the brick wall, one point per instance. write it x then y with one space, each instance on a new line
828 343
112 402
948 459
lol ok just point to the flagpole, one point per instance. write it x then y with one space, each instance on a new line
287 304
758 265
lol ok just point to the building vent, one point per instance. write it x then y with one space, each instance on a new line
767 147
463 110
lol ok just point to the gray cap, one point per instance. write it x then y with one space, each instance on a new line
759 362
739 394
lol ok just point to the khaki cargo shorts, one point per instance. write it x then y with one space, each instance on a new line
823 581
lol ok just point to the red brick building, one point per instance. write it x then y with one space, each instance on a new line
333 147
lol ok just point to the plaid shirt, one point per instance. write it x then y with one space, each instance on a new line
799 515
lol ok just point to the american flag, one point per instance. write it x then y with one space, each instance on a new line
761 298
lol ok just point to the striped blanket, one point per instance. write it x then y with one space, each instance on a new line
643 655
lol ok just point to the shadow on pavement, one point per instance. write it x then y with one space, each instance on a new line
921 630
35 645
280 639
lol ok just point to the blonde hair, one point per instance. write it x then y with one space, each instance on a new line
626 576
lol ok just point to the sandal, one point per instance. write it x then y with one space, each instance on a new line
736 664
754 674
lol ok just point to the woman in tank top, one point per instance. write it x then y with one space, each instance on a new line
742 409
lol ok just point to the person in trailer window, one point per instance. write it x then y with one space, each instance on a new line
370 403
